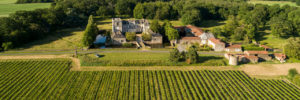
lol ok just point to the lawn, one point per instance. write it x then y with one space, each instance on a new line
281 3
8 7
272 41
52 79
65 39
145 59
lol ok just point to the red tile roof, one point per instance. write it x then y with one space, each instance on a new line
190 38
256 52
280 55
234 46
216 41
195 30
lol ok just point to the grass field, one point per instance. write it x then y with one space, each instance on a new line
8 6
281 3
66 39
51 79
145 59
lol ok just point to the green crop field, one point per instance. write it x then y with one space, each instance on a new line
52 79
145 59
8 6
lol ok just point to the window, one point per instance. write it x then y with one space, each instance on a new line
122 41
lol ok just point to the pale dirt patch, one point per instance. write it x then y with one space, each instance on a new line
270 69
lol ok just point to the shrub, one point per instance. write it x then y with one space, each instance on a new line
174 55
130 36
292 72
7 46
192 55
146 37
127 45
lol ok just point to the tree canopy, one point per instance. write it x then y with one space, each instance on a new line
90 33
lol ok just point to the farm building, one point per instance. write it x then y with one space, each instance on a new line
120 27
194 34
234 48
280 56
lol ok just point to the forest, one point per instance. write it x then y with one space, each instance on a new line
244 20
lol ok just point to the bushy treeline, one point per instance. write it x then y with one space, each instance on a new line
34 1
26 26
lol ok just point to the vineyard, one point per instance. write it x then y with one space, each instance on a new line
51 79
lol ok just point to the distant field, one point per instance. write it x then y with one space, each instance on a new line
281 3
8 6
145 59
52 79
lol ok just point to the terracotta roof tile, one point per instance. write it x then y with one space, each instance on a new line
256 52
216 41
190 38
195 30
280 55
234 46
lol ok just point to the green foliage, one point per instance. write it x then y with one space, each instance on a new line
192 55
292 48
146 36
192 17
7 45
155 27
138 11
230 26
298 2
90 33
124 7
170 32
292 72
174 55
105 11
127 45
294 17
130 36
252 47
33 1
281 27
239 33
296 80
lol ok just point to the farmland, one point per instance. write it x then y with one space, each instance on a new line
51 79
8 7
145 59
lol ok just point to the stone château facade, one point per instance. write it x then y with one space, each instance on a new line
120 27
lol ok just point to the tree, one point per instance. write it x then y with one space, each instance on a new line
192 17
139 11
90 33
174 55
171 33
105 11
124 7
251 33
131 36
281 27
292 48
230 26
146 36
238 34
292 73
192 55
155 27
294 17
